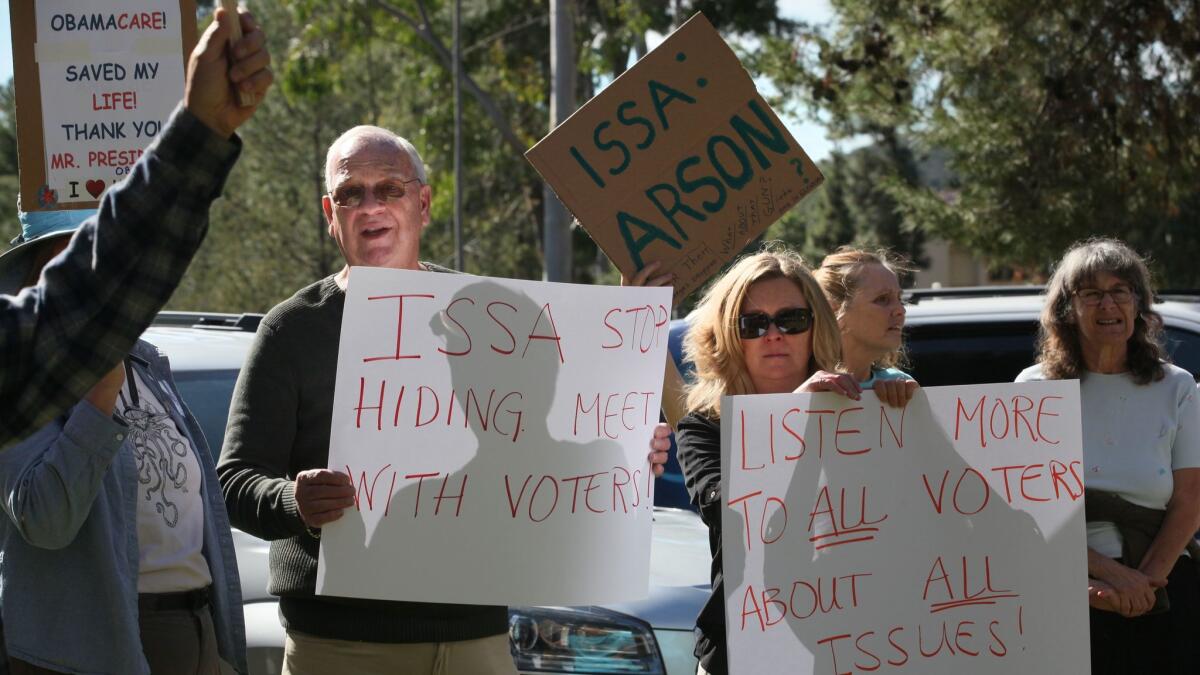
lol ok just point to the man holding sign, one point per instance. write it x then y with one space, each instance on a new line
272 467
96 298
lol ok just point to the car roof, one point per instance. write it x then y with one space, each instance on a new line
192 348
1021 303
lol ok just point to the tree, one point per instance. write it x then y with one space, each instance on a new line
1061 119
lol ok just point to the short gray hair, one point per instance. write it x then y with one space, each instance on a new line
376 134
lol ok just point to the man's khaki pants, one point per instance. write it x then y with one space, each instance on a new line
310 655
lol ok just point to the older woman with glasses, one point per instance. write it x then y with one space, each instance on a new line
762 328
1141 458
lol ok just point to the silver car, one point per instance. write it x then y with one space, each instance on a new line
652 636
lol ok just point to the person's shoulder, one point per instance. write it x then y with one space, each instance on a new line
879 374
1177 377
698 422
319 296
1031 374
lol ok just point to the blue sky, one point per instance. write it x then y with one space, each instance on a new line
812 137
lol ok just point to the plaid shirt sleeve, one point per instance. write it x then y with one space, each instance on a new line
120 268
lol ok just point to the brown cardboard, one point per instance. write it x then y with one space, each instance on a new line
686 103
31 155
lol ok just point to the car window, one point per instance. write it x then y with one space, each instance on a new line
1184 349
207 394
970 353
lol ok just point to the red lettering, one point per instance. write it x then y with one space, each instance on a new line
1042 413
1019 416
579 408
885 418
792 433
437 407
552 336
512 338
420 481
362 486
757 612
460 327
458 497
960 413
512 506
399 325
533 498
744 467
837 435
831 641
1026 476
620 338
362 384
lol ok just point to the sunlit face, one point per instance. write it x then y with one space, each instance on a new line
377 233
1109 324
776 362
872 321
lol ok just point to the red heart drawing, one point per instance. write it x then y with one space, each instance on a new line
95 188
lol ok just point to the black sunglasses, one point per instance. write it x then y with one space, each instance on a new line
352 196
791 321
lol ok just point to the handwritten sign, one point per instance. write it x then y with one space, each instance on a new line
946 537
95 82
679 160
497 433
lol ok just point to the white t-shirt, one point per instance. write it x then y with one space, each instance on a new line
170 510
1134 436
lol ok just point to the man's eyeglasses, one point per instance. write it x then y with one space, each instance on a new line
1122 295
789 321
351 196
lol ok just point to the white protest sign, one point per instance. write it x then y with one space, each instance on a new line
110 73
945 537
497 432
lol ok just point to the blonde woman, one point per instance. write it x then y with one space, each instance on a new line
762 328
863 289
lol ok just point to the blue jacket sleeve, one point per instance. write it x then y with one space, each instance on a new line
50 479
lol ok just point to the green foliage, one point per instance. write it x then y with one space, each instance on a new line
1062 119
386 62
9 183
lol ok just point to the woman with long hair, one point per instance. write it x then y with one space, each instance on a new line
863 289
762 328
1141 458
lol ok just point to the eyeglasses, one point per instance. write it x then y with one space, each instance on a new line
351 196
1122 295
791 321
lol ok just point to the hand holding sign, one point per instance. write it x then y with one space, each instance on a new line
209 95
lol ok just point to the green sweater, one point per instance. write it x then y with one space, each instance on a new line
279 424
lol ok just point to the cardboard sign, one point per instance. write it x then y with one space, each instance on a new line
945 537
679 161
95 82
497 433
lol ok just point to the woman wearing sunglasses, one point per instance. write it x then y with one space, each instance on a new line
763 328
863 289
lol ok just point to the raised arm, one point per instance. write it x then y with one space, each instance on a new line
58 338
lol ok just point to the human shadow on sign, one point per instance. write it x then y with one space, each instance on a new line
504 508
839 548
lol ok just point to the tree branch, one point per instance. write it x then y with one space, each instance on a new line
425 31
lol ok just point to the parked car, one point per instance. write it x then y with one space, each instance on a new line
954 336
988 333
651 637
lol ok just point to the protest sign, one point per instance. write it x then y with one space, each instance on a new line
497 434
944 537
95 82
679 161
